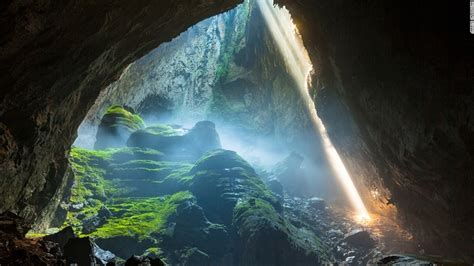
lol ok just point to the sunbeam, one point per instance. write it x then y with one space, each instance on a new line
285 34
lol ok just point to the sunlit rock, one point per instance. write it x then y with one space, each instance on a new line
61 237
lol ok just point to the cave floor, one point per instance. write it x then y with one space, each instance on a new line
345 237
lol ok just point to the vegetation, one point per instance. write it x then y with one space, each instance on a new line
248 213
96 186
135 193
139 217
220 159
255 216
119 116
234 36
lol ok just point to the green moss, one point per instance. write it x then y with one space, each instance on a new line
133 153
32 235
248 213
139 217
117 116
105 177
221 159
234 36
88 168
147 169
219 167
179 177
254 215
162 130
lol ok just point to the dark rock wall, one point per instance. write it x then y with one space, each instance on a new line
394 86
55 58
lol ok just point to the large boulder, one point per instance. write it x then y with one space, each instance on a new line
116 126
266 238
61 237
176 143
359 239
221 178
292 176
189 227
90 224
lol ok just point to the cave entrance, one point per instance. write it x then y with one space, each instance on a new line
148 172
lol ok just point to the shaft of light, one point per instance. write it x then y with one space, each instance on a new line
284 33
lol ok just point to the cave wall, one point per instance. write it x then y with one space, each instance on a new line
55 58
393 84
226 69
174 81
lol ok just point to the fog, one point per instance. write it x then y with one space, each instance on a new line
262 151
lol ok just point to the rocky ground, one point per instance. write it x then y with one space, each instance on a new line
165 194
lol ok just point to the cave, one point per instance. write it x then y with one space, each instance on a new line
256 132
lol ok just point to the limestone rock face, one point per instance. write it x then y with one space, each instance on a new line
174 80
226 69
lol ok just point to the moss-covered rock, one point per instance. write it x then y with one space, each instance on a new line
292 176
221 178
217 210
258 222
116 126
178 144
191 228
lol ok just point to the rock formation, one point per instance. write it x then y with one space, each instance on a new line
393 85
226 69
174 144
116 126
206 211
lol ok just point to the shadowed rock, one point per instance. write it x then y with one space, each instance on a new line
190 146
116 126
359 239
61 237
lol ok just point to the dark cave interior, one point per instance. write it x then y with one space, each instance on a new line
107 145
